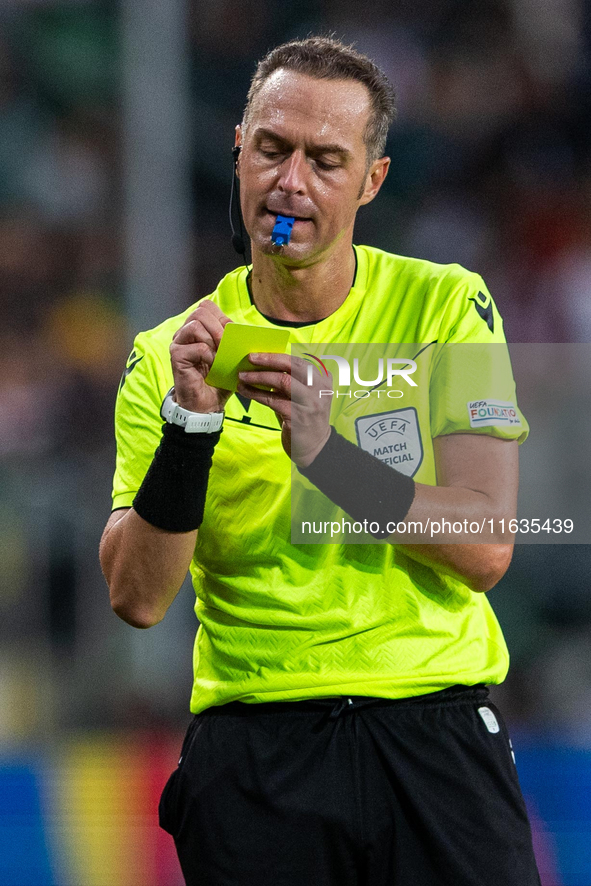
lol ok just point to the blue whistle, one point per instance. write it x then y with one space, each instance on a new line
281 233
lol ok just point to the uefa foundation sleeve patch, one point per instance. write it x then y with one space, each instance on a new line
492 413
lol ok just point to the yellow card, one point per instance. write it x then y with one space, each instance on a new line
239 340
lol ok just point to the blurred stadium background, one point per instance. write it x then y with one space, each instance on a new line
116 122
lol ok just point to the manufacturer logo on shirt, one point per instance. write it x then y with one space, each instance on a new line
393 437
132 361
489 413
483 305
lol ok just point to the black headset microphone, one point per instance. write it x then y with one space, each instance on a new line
237 239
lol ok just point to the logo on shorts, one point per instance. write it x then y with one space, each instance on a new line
490 721
492 413
393 437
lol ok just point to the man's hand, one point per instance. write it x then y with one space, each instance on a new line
192 352
302 412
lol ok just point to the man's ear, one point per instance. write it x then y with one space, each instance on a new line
374 180
237 144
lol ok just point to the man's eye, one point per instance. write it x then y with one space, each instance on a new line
326 164
272 155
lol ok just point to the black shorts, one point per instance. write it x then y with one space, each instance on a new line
350 792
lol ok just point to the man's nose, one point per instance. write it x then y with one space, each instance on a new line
293 174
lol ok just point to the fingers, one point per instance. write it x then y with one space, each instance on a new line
300 370
281 363
197 354
280 382
205 324
276 400
290 376
210 309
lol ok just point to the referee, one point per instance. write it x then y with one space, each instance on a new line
342 733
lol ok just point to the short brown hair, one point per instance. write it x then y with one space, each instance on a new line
326 58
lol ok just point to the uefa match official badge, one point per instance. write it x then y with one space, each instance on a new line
393 437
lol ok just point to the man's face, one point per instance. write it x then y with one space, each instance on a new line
303 155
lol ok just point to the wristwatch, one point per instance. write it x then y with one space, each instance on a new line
192 422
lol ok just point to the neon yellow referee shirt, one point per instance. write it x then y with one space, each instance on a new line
283 621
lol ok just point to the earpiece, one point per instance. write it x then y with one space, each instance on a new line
237 238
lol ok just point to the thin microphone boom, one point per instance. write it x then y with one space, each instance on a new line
237 239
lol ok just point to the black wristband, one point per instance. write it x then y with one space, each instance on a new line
172 495
363 486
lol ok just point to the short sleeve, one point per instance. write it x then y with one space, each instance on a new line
472 388
138 425
471 314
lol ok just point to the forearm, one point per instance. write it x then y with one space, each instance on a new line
478 488
144 566
483 560
146 552
480 566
